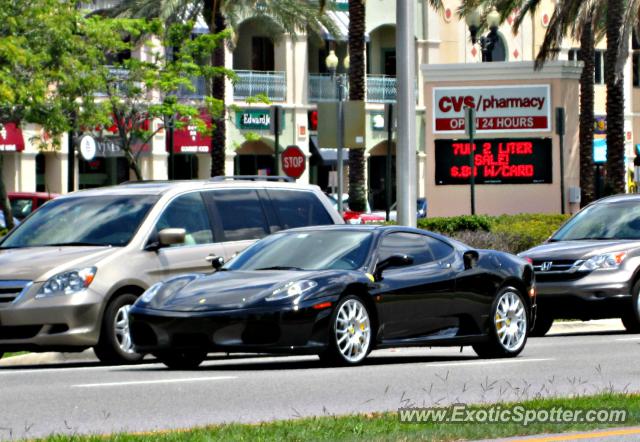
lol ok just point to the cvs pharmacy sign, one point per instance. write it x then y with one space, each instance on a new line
498 108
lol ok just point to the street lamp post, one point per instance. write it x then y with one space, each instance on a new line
487 43
170 128
332 64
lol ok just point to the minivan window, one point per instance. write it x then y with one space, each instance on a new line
298 209
188 212
109 220
241 214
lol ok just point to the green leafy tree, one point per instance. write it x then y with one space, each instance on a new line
137 91
41 77
290 16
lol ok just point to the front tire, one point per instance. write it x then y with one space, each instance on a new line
509 326
631 320
115 345
182 360
350 333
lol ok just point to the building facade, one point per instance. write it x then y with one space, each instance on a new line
291 71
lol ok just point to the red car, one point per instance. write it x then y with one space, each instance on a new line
23 203
352 217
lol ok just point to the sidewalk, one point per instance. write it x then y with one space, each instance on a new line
87 356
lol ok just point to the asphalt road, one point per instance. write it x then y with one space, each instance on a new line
88 398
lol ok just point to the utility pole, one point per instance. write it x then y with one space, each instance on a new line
406 175
470 125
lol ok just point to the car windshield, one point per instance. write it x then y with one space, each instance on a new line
603 221
109 220
308 250
21 207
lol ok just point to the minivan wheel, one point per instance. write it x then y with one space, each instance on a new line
115 345
631 320
509 326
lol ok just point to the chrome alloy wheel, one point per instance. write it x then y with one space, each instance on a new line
353 330
121 329
511 321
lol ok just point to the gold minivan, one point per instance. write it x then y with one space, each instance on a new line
70 271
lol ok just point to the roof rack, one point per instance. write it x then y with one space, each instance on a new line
145 182
279 178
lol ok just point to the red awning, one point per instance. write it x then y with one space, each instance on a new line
11 139
188 140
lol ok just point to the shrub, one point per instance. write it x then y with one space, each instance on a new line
450 225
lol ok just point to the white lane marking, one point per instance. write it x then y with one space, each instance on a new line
636 338
157 381
484 362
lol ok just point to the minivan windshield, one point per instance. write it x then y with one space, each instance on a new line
306 250
109 220
619 220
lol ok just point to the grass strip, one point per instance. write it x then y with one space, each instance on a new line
387 426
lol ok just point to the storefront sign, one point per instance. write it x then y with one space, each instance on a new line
188 140
524 108
497 161
377 121
109 147
600 150
600 125
255 119
11 139
88 148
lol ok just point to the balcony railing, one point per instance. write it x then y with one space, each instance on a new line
322 87
252 83
381 89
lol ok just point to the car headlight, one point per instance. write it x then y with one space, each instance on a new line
291 289
68 283
605 261
150 293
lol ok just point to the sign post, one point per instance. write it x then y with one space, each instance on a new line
470 125
388 119
560 133
276 116
293 162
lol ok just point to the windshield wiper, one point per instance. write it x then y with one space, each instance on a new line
280 268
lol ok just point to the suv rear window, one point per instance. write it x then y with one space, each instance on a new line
241 214
297 208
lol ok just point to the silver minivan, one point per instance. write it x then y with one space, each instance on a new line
72 269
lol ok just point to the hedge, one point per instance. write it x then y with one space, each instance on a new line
510 233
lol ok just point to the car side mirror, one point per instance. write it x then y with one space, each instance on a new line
470 258
168 237
395 260
216 261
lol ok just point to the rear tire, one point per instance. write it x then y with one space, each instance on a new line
509 326
115 346
631 320
182 360
350 333
542 326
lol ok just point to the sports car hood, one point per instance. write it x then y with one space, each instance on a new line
230 290
36 263
579 249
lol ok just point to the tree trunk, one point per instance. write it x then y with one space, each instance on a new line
357 191
5 206
219 136
586 55
615 181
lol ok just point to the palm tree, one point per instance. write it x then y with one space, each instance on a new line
290 16
357 75
614 79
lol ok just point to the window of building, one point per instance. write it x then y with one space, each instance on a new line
262 58
598 59
635 57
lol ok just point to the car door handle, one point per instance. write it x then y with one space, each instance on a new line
445 265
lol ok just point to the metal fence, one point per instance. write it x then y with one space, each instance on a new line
200 89
252 83
381 89
322 87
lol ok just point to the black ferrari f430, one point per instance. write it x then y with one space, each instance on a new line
340 292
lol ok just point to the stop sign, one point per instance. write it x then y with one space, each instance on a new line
293 162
